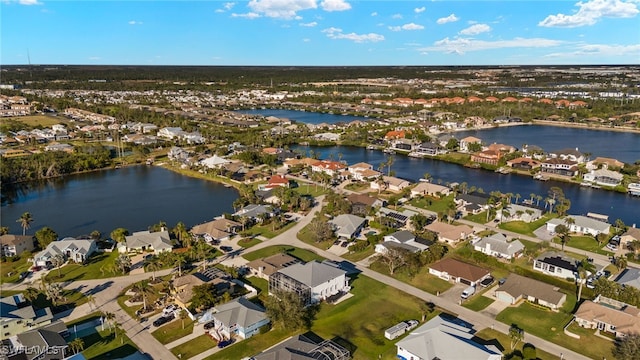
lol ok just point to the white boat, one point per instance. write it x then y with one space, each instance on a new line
388 151
415 155
423 180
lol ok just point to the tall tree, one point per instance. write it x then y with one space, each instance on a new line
119 234
76 345
123 263
45 236
394 258
563 234
143 289
584 269
628 347
286 309
516 334
25 221
57 261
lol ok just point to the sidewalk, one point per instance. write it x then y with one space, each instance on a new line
198 329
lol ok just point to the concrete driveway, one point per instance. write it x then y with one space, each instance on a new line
453 294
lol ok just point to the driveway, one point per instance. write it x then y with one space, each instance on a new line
453 294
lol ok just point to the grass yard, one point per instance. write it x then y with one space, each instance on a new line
104 345
267 230
10 270
304 235
432 203
173 331
260 284
358 186
480 218
71 299
478 303
37 120
251 346
587 243
359 255
194 347
549 326
248 242
502 341
301 254
353 322
422 280
95 268
310 189
525 228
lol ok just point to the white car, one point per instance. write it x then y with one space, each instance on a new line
171 308
612 246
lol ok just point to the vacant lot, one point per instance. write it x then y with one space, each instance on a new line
301 254
37 120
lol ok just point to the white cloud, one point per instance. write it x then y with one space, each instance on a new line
311 24
463 45
249 15
335 5
229 5
94 58
283 9
29 2
599 50
448 19
409 26
475 29
419 10
337 34
374 13
396 16
133 22
590 12
306 40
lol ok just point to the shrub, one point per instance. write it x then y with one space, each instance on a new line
529 352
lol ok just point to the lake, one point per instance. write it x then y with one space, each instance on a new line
304 116
583 200
132 197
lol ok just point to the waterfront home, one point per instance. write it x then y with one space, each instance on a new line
604 163
629 277
603 177
580 224
214 162
305 346
443 140
274 182
501 148
445 337
573 155
402 144
313 281
18 316
450 234
265 267
558 166
327 136
347 226
362 172
472 203
429 189
216 230
361 204
523 163
390 183
459 272
496 245
515 212
430 149
632 234
518 287
404 240
157 242
76 250
331 168
255 212
13 245
238 318
616 321
489 157
304 162
465 142
556 264
59 147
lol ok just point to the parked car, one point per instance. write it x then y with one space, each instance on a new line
486 282
210 325
226 248
170 309
163 320
225 343
502 281
468 292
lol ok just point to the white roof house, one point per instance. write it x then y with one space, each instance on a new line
77 250
144 240
603 177
239 317
582 224
313 281
347 225
214 161
520 212
497 245
444 338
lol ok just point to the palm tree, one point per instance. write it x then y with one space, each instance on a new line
110 318
57 261
538 198
584 267
179 260
76 345
532 195
182 314
91 300
563 233
181 233
153 266
621 262
390 161
31 294
518 196
25 221
143 289
4 230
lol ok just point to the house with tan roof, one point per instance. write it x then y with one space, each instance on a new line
264 267
604 162
216 230
157 242
429 189
459 272
451 234
390 183
523 163
13 245
183 285
619 322
632 234
362 171
464 143
487 157
518 287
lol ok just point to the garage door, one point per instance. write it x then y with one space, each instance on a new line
464 281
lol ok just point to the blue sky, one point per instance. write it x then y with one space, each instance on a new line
320 32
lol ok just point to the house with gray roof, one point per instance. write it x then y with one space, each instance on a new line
40 344
347 226
515 212
16 316
157 242
581 224
306 346
13 245
518 287
77 250
239 317
254 211
629 277
445 338
313 281
496 245
405 240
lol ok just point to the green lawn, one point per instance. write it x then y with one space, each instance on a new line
587 243
194 347
503 342
95 268
71 299
267 230
38 120
248 242
302 254
251 346
480 218
173 331
104 345
309 189
432 203
525 228
422 280
10 270
260 284
549 326
360 321
358 186
304 235
360 255
478 303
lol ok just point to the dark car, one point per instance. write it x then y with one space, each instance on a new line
225 343
209 325
163 320
226 248
345 244
486 282
502 281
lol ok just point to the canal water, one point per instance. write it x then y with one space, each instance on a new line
305 116
132 197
